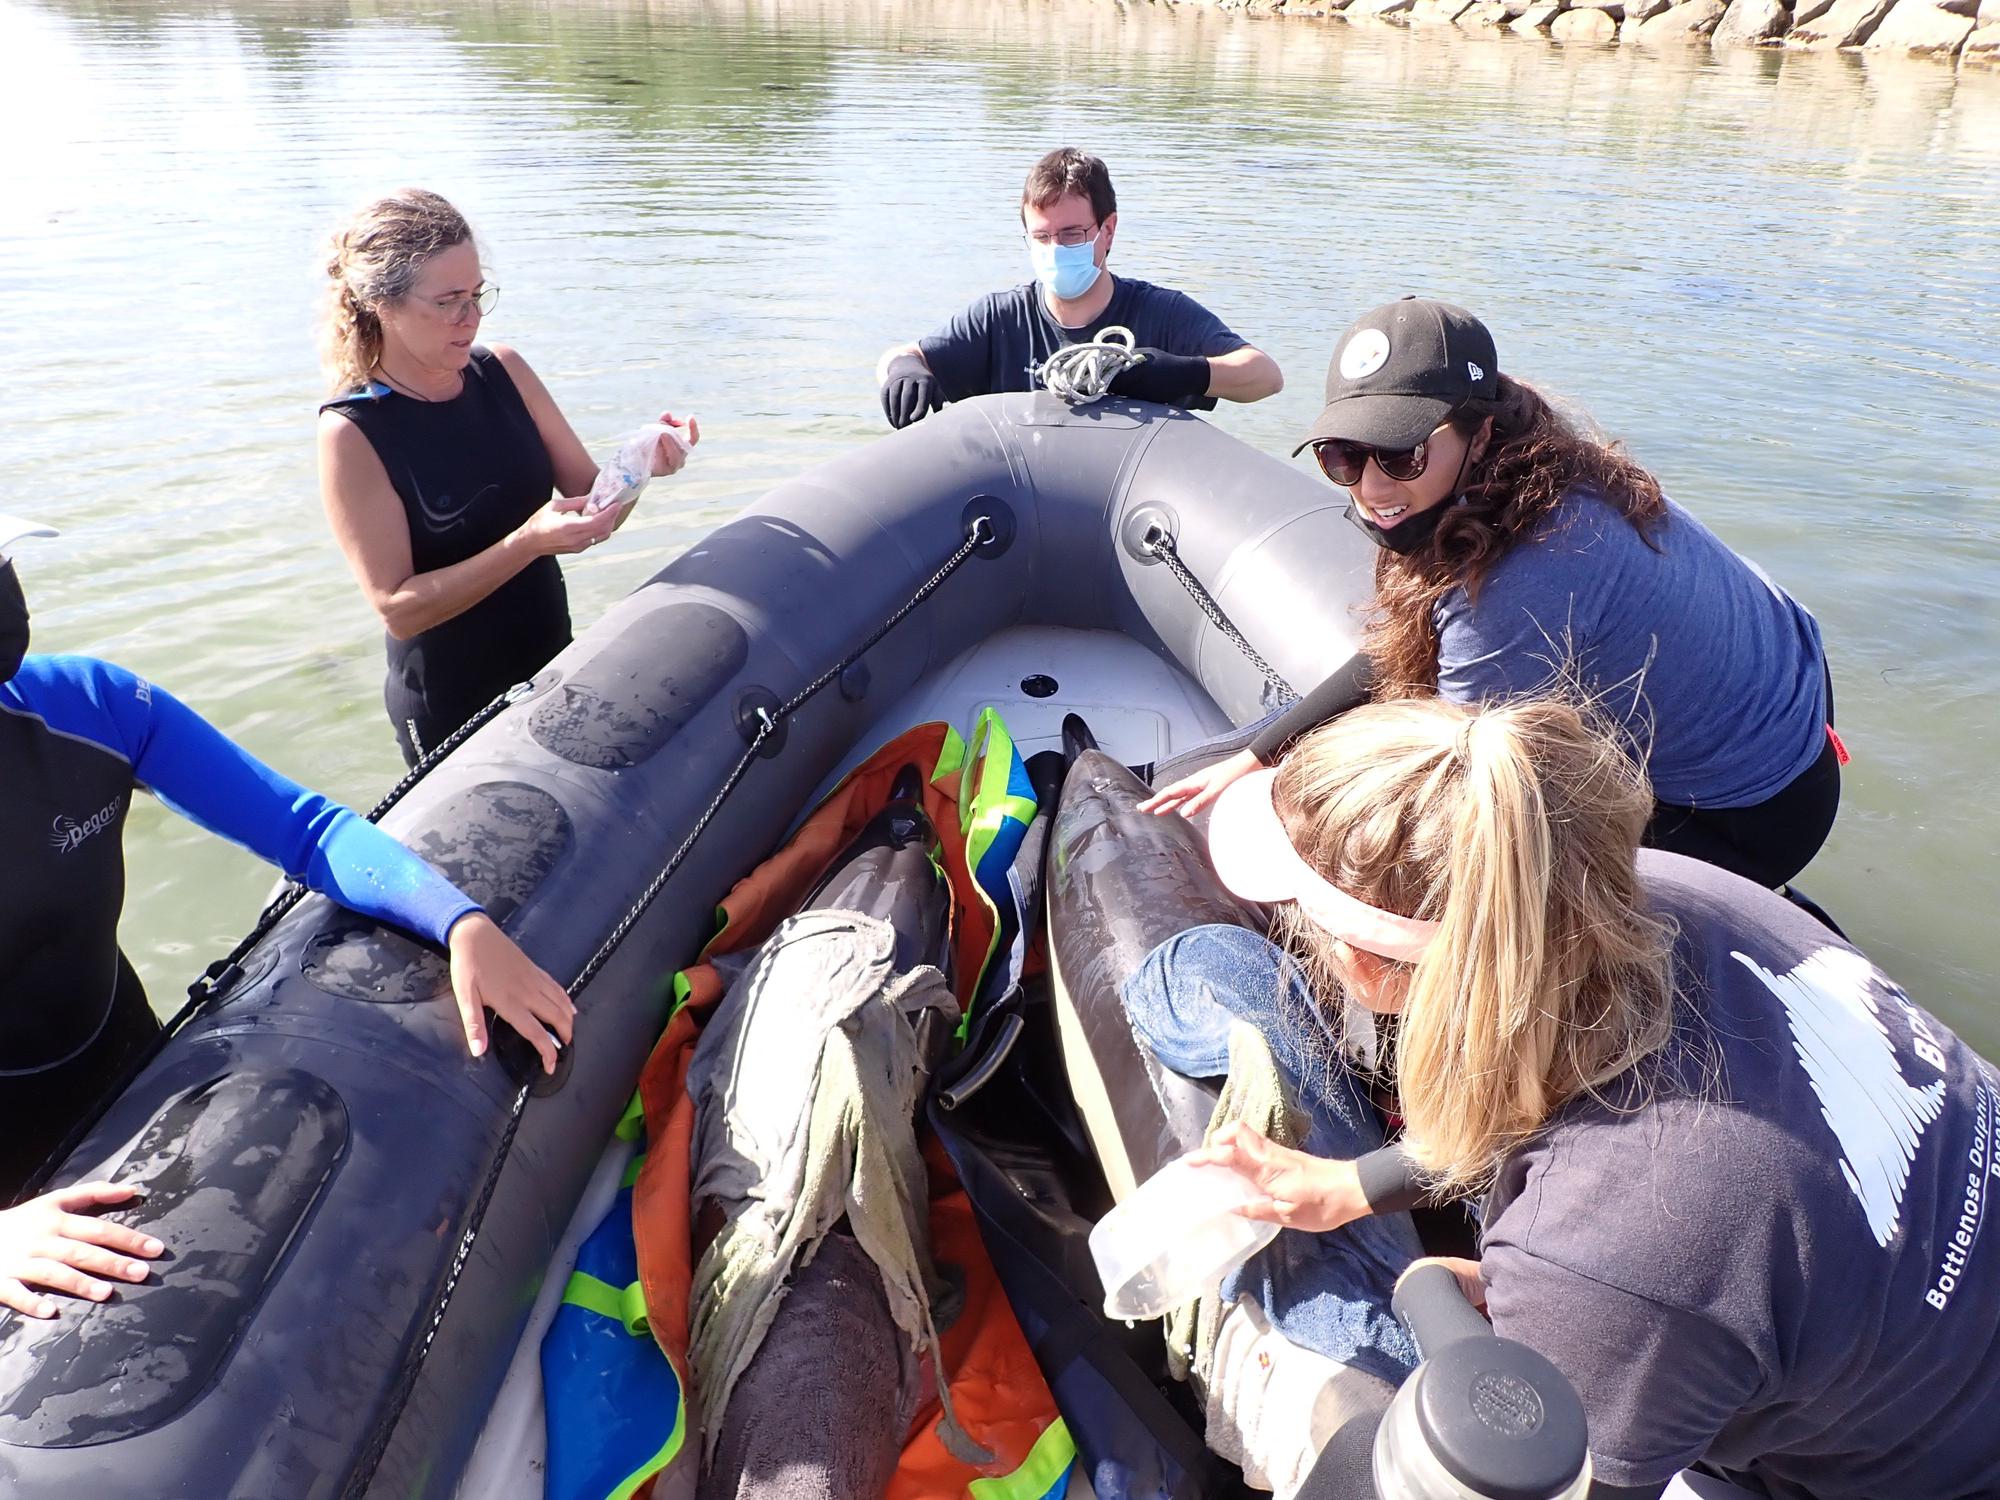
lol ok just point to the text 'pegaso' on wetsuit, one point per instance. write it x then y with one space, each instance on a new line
76 737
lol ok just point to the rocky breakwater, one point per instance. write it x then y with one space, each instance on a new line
1964 31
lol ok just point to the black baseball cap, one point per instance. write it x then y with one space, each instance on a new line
1399 371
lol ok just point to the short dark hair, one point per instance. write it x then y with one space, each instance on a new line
1067 170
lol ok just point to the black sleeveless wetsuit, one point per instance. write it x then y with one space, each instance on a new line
468 471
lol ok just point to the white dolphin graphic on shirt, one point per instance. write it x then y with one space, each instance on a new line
1878 1118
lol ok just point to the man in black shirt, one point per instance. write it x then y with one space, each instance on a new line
1069 215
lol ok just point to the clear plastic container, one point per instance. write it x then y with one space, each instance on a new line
1175 1239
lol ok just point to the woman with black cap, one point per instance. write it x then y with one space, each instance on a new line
1519 554
77 736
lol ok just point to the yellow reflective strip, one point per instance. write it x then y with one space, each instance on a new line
669 1450
951 757
592 1295
1047 1461
632 1305
626 1304
632 1124
1021 809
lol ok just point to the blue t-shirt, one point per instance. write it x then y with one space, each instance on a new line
1715 674
1778 1265
998 342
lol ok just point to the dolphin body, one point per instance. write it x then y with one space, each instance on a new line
1120 883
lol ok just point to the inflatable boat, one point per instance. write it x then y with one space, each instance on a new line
360 1219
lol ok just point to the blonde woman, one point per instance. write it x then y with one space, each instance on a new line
438 458
1733 1181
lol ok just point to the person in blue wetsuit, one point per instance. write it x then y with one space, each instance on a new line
1733 1179
1518 554
77 737
1069 215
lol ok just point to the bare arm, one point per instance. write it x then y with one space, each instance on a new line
1246 374
374 535
575 469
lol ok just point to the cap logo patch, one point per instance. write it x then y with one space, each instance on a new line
1473 371
1365 353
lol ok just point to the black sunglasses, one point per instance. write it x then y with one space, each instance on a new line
1342 461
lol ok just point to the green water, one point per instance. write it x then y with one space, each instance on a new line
1778 277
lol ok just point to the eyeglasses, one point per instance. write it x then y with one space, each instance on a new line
1069 238
1342 461
458 309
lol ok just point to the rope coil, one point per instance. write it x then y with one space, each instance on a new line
1081 373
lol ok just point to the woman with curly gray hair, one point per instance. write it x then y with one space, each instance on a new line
438 461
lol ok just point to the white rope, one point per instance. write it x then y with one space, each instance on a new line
1084 372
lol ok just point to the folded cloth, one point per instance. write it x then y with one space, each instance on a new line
805 1086
1254 1092
1328 1292
1270 1404
808 1420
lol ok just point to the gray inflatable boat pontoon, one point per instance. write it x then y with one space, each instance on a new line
317 1145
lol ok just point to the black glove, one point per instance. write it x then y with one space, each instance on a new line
1170 379
910 392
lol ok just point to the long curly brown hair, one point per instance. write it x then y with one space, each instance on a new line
1534 458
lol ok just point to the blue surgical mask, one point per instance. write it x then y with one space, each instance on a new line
1068 271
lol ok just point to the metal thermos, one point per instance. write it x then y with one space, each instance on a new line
1483 1418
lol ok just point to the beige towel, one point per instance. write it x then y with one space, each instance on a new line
1271 1404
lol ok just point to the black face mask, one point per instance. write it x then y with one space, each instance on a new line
13 622
1407 536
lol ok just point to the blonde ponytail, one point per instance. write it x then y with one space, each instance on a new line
1515 829
376 257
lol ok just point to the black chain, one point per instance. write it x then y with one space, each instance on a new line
977 535
1160 542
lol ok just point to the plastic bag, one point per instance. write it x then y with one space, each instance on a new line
625 473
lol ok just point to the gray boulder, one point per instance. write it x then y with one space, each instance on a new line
1689 21
1482 14
1920 27
1845 23
1437 12
1982 49
1534 18
1752 21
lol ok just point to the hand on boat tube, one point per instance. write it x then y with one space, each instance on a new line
54 1242
1191 794
490 972
1301 1191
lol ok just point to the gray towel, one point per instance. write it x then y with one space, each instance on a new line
805 1086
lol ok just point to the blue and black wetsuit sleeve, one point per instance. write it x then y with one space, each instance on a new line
210 780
